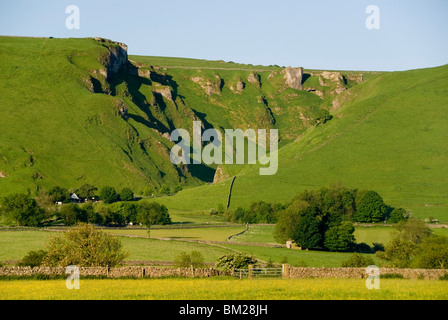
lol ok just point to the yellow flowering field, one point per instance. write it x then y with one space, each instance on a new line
224 289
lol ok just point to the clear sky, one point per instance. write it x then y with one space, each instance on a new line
318 34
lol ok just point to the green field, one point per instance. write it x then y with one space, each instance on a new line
225 289
16 244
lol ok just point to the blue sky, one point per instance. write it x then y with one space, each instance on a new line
319 34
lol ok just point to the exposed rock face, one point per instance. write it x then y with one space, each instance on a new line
220 175
165 92
118 56
239 87
254 79
210 87
293 77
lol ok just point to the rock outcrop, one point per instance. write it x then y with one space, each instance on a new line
293 77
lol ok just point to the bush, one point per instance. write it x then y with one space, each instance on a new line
33 259
213 211
235 261
358 260
185 260
83 246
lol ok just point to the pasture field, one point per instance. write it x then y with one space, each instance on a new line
208 233
14 245
224 289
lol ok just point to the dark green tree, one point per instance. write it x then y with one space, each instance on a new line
340 238
23 209
150 213
71 214
108 194
86 191
126 194
59 194
308 234
370 207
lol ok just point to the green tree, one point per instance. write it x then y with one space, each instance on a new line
397 215
22 209
83 246
71 213
370 207
59 194
308 234
288 221
108 194
127 194
149 213
86 191
340 238
432 253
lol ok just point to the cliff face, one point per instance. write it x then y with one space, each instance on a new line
118 56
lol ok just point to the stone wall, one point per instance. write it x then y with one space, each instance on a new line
120 272
157 272
428 274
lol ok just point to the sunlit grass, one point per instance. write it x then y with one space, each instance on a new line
225 289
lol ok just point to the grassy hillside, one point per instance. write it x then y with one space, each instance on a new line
55 131
67 119
389 135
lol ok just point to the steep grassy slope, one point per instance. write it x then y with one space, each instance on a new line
390 136
56 131
76 111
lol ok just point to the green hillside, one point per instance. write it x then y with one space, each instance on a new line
389 135
76 111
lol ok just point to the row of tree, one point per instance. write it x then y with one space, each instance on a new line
119 213
107 194
23 210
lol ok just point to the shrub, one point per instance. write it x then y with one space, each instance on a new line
213 211
33 259
358 260
235 261
83 246
185 260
